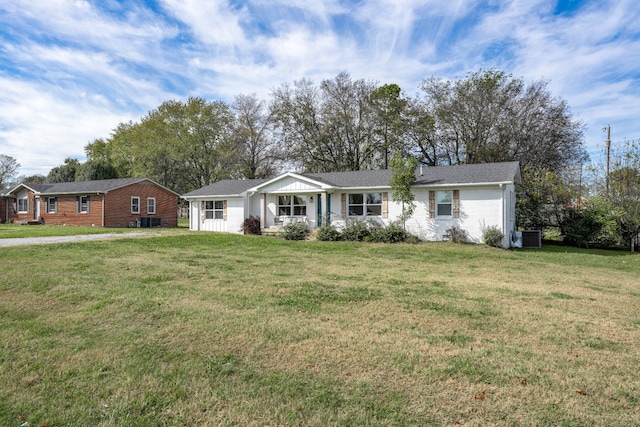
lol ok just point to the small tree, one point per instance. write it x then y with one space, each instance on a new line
8 168
403 177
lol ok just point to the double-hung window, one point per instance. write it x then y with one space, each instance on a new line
444 203
292 205
214 209
82 204
135 205
52 204
366 204
151 205
23 205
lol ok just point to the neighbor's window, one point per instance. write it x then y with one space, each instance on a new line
444 203
135 205
151 205
82 204
296 205
367 204
23 205
52 205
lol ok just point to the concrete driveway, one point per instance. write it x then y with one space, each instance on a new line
23 241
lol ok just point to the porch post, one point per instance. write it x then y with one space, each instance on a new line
325 208
263 217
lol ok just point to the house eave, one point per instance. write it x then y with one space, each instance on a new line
212 196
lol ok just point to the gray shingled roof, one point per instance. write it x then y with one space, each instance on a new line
81 187
427 175
226 187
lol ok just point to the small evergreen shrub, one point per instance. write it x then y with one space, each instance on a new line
391 233
414 240
457 235
328 233
295 231
355 230
492 236
251 225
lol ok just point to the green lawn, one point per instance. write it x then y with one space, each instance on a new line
210 329
8 231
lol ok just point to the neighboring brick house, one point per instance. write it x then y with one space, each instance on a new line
125 202
4 205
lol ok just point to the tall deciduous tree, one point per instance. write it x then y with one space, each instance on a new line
98 164
8 169
624 193
491 116
258 155
65 172
390 124
181 145
329 127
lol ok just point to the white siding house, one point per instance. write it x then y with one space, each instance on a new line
470 197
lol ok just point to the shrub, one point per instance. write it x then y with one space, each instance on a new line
295 231
251 225
414 240
327 233
392 233
594 226
492 236
457 235
355 230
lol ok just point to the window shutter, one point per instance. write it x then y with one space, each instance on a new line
224 210
77 204
88 204
202 211
385 205
432 204
456 203
343 202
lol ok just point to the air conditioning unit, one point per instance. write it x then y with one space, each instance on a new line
531 238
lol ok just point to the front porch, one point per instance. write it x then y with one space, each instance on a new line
279 222
283 207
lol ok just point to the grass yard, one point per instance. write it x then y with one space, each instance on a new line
211 329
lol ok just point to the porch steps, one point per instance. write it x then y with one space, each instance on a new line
274 231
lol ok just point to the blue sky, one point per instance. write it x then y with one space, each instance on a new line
71 70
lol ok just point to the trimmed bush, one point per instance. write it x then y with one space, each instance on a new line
392 233
328 233
492 236
295 231
457 235
355 230
251 225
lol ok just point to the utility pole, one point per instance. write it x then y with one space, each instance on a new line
608 145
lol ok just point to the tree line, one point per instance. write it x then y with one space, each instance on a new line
344 124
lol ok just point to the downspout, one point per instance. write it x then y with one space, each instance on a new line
103 205
504 219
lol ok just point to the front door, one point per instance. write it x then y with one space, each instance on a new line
319 216
36 210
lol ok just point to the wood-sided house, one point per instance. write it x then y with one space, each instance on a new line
124 202
470 197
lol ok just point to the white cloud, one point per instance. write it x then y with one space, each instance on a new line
70 71
213 22
40 129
